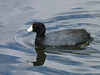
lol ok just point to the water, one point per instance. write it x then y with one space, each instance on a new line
18 54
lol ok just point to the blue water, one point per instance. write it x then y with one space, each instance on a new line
19 55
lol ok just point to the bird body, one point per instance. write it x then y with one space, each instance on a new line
69 37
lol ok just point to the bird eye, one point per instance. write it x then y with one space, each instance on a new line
34 26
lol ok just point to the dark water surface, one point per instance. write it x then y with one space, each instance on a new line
19 56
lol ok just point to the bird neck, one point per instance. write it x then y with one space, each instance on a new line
39 38
40 35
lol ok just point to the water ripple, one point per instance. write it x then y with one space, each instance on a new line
19 51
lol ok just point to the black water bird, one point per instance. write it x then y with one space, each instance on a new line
70 37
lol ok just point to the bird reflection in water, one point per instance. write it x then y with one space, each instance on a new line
41 56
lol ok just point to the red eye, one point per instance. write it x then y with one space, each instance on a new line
34 26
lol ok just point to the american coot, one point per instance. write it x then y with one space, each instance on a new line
69 37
